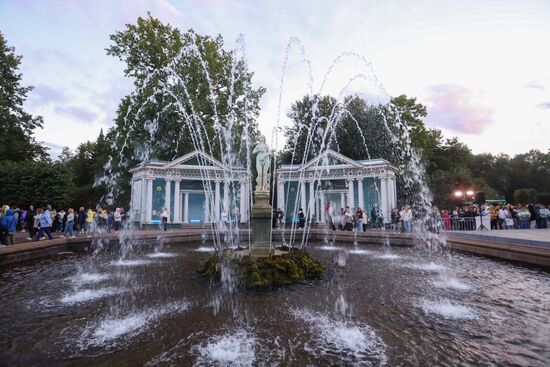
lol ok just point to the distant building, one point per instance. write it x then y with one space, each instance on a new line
336 179
196 189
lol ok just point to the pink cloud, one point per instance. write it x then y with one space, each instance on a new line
455 108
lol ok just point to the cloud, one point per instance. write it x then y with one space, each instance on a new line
126 11
80 113
544 106
43 95
454 107
534 84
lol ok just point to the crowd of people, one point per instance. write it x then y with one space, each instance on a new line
346 219
497 216
465 217
41 222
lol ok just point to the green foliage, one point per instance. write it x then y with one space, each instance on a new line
365 131
286 269
174 99
544 198
86 164
16 125
38 183
525 196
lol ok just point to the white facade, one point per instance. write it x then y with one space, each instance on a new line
194 188
336 179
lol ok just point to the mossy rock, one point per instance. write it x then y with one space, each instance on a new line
296 266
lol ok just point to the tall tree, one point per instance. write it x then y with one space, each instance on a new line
16 125
189 93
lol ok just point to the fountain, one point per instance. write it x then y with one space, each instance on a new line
140 302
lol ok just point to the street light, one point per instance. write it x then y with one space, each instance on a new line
470 193
458 194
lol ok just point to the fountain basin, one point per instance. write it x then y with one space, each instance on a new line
370 310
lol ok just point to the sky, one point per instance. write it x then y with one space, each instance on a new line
482 68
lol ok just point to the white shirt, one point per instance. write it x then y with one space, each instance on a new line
406 215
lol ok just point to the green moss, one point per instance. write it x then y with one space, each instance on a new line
285 269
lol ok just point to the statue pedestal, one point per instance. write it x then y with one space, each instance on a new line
260 244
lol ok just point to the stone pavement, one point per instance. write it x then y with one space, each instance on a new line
527 237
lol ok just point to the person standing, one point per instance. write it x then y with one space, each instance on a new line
360 219
82 219
36 221
502 214
45 224
524 218
8 226
16 214
69 226
60 218
348 220
164 219
117 218
406 218
279 214
29 222
53 217
395 219
90 216
301 219
379 219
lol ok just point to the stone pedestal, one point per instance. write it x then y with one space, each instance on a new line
260 244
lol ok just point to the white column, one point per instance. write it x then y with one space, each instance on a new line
177 201
226 197
149 201
303 196
143 201
393 193
361 203
351 199
383 197
281 195
311 204
206 208
217 201
242 202
247 200
342 200
322 208
185 206
389 206
167 197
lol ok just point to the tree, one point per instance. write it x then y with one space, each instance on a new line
189 94
360 131
66 155
86 165
38 183
16 125
525 196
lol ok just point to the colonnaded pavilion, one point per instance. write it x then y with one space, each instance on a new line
182 185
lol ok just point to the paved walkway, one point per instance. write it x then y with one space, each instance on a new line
528 237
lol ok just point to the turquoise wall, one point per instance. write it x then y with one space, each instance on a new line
291 190
159 192
370 195
196 207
